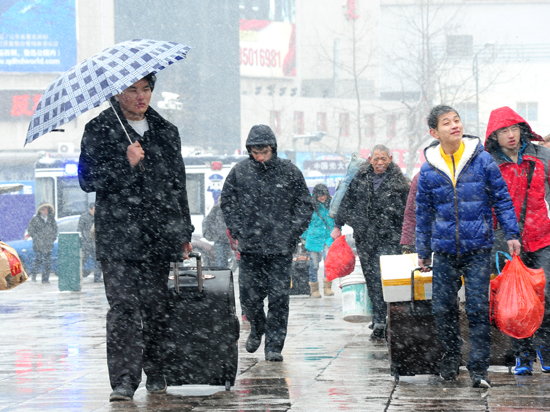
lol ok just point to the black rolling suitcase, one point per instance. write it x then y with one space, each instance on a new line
299 281
413 343
203 327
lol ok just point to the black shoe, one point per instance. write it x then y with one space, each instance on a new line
156 385
378 332
273 357
449 367
122 393
45 281
480 379
33 278
253 342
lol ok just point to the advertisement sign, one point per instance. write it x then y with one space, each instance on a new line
18 104
267 48
37 35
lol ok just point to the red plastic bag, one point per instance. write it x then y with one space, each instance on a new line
340 259
517 299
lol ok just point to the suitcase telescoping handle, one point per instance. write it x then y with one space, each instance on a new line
412 283
197 256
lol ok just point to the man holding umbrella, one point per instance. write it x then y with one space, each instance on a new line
141 220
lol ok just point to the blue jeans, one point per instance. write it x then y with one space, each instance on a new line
314 261
222 251
527 347
476 269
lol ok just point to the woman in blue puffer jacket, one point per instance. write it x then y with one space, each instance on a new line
317 237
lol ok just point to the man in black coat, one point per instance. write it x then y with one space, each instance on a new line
266 206
374 206
142 223
85 223
43 230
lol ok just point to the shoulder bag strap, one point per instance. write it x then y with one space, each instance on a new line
321 217
521 221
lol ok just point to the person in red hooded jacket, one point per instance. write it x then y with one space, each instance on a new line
509 141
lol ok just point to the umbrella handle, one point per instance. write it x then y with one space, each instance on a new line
141 167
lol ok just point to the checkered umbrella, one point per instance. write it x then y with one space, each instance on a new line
98 78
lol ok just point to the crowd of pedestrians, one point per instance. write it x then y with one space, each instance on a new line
466 195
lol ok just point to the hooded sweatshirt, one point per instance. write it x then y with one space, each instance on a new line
536 232
266 206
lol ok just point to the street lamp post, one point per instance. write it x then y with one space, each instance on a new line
475 68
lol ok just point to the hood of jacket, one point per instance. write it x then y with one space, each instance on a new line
504 117
44 204
261 135
472 146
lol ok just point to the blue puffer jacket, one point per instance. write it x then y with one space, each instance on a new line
458 220
318 231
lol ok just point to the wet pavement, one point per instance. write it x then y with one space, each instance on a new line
52 358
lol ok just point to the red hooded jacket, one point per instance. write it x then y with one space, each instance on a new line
536 233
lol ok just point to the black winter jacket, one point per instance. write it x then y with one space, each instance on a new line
140 215
375 216
43 233
266 206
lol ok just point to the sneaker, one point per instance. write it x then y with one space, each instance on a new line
122 393
449 367
156 385
524 366
544 364
480 379
253 342
273 357
378 332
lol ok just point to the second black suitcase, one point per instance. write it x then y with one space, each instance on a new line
204 328
414 347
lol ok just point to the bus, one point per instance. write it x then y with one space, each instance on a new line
56 183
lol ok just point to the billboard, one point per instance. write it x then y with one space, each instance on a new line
267 48
18 104
37 35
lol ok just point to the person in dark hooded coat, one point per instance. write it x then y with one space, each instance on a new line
374 206
509 141
266 206
43 230
142 223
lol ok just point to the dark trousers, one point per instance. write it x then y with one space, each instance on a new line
222 250
262 276
447 272
137 293
86 254
44 260
526 347
369 256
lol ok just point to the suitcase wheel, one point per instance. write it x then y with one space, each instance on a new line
227 385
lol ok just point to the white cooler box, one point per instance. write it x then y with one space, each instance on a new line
396 279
